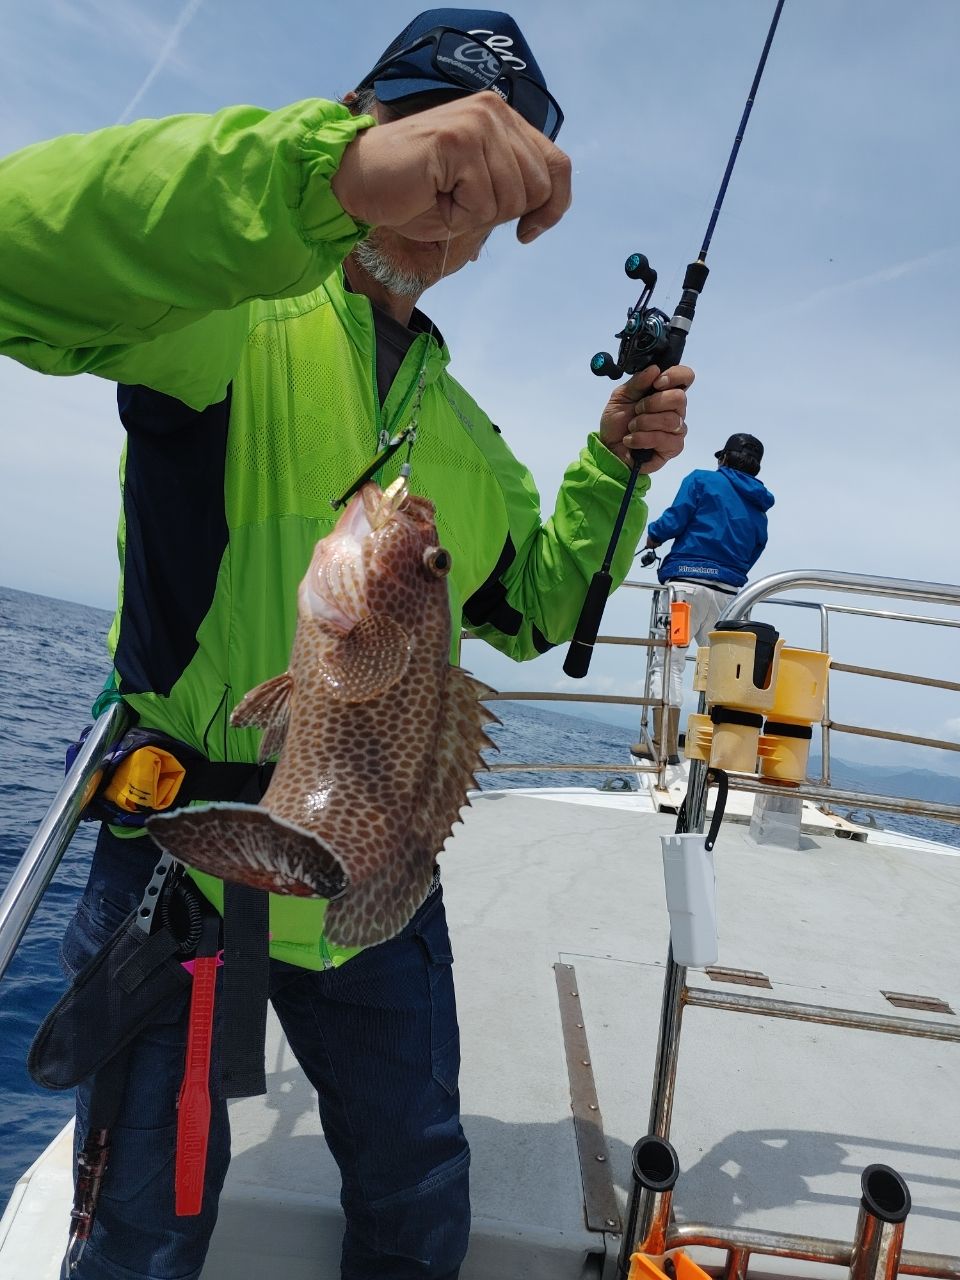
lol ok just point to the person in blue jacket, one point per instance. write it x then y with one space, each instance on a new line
718 526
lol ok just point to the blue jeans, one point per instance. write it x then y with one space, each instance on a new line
378 1040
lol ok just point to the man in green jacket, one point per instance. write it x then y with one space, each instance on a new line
250 280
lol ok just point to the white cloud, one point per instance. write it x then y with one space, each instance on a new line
163 57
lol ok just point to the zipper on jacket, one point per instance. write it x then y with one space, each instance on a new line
382 437
325 955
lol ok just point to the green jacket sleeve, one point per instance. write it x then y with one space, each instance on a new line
547 579
132 252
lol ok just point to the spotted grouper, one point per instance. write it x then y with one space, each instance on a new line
378 735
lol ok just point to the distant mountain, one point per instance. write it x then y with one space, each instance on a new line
888 780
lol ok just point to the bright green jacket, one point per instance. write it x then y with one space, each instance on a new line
196 261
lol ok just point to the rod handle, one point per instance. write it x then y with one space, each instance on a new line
577 661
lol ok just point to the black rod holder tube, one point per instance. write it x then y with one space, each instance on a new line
884 1205
655 1172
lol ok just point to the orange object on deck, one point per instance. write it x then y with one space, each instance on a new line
680 623
643 1267
687 1269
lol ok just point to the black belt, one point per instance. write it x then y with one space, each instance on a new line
212 780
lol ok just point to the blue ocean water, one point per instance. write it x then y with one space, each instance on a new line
52 665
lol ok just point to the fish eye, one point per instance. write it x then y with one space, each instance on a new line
438 561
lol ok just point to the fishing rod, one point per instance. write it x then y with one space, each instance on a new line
649 337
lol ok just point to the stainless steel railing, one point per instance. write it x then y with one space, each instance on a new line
662 596
820 791
36 868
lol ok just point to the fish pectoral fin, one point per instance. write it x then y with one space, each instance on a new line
266 707
370 659
247 844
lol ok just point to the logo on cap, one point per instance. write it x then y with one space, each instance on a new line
501 46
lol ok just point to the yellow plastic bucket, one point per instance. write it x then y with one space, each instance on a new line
730 672
800 689
783 758
734 747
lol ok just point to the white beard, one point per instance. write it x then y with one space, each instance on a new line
402 284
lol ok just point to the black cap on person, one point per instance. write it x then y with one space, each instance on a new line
741 442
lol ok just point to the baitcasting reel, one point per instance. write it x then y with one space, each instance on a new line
645 338
650 336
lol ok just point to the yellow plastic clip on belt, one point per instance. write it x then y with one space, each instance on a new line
147 779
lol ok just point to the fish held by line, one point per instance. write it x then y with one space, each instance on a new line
379 736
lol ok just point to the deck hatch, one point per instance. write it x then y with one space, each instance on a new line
744 977
929 1004
599 1198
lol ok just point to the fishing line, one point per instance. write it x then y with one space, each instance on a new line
408 435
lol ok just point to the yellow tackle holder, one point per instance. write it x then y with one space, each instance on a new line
799 701
748 674
738 679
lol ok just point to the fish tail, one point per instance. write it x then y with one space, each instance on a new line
247 844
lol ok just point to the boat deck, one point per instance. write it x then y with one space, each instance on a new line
773 1121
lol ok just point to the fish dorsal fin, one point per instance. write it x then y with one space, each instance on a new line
461 736
370 659
266 707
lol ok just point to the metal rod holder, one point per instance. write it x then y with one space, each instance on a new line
878 1242
655 1172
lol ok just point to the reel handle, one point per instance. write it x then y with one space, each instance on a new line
604 366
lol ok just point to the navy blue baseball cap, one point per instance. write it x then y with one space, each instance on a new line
430 55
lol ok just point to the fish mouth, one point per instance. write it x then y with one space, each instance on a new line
380 506
334 589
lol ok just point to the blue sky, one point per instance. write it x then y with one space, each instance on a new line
828 326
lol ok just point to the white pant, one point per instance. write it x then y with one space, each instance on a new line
706 605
